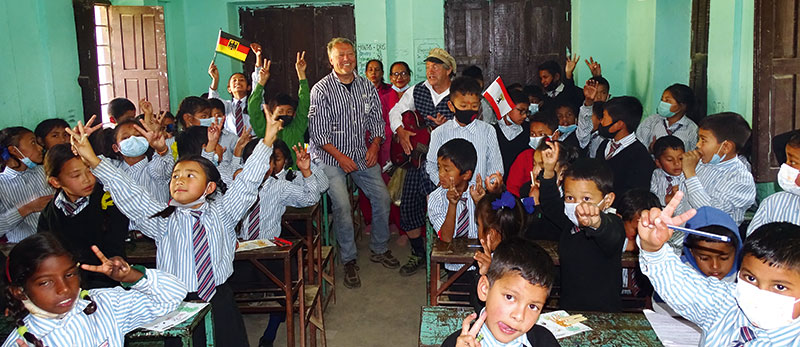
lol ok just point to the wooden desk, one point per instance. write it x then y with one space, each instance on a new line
142 337
608 329
144 252
312 216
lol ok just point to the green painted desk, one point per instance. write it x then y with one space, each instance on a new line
608 329
183 331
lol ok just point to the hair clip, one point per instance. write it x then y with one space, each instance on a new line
530 204
505 200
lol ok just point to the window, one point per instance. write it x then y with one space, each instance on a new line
106 78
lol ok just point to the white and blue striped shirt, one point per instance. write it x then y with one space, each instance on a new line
226 168
119 311
17 189
585 126
659 185
152 174
656 126
707 302
276 194
480 134
778 207
342 117
728 186
173 235
437 211
230 106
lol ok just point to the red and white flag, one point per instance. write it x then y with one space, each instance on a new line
498 98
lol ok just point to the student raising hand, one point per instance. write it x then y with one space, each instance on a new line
214 133
156 139
652 227
263 73
303 160
588 215
549 159
115 268
569 66
300 65
79 140
594 67
242 141
273 127
469 335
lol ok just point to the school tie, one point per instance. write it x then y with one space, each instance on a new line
745 335
669 184
206 285
613 145
463 220
237 115
70 208
254 220
667 129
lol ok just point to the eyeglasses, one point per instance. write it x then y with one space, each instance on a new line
524 112
401 73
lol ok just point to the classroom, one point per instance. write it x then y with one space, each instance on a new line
400 172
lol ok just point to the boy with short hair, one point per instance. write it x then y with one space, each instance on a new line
711 257
761 309
450 207
567 123
668 178
630 206
50 132
121 109
590 246
596 91
523 271
783 206
626 156
465 104
511 130
721 179
239 87
561 90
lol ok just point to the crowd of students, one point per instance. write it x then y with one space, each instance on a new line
566 164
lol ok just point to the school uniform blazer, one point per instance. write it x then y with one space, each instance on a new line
632 166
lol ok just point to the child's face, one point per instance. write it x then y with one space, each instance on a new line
602 93
631 226
277 162
670 161
668 98
595 121
708 145
193 119
582 191
29 148
775 279
217 113
56 136
464 102
238 84
715 259
75 178
566 116
189 182
608 121
534 100
125 132
513 305
54 286
283 110
793 157
548 80
519 113
540 129
450 174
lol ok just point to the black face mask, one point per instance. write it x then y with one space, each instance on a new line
286 119
603 131
465 116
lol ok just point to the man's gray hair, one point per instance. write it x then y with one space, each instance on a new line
337 40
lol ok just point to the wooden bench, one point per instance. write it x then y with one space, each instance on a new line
145 338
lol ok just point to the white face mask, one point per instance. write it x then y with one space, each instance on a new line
200 200
764 309
569 210
787 176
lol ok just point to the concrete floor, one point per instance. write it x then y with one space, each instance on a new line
384 311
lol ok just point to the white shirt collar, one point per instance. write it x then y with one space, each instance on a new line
488 340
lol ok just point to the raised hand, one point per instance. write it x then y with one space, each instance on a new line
438 120
652 227
589 92
214 133
273 126
263 73
477 191
156 139
453 195
146 107
242 141
550 159
303 159
300 65
594 67
588 215
79 140
468 337
213 71
494 183
115 268
484 257
89 128
569 66
256 48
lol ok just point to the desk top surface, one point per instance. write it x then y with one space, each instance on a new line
608 329
144 251
459 251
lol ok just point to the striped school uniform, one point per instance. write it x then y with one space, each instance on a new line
437 211
778 207
480 134
19 188
728 186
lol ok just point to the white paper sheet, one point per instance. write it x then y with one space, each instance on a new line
254 244
185 311
550 320
674 332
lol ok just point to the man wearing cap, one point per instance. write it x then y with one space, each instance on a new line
344 106
429 98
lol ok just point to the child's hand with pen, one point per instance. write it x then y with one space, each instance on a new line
655 225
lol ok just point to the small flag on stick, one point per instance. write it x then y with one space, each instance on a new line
498 98
232 46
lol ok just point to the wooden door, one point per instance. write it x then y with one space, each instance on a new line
139 55
507 38
282 32
88 78
776 82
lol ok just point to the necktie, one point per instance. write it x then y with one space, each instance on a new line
669 184
237 115
206 285
70 208
254 220
613 148
462 223
670 132
745 335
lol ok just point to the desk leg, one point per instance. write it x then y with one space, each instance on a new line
434 287
301 294
310 248
288 290
209 324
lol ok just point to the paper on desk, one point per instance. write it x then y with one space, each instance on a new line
185 311
673 332
551 321
253 244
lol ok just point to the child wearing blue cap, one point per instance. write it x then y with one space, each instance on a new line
713 258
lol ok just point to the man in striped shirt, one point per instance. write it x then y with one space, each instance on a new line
344 107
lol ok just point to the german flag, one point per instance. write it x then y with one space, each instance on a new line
232 46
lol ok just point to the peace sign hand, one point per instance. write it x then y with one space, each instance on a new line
300 66
652 227
263 73
569 66
484 257
468 337
79 139
115 268
594 67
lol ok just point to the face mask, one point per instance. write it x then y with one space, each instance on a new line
199 200
215 159
400 90
535 141
465 116
603 131
206 122
286 119
716 158
533 108
133 146
569 210
563 130
27 161
41 313
765 309
663 109
787 176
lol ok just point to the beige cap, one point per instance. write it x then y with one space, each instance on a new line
440 56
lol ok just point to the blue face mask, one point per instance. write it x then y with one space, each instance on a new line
566 129
206 122
535 141
27 161
716 158
663 110
215 159
133 146
533 108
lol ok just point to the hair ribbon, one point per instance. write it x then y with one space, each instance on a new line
505 200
